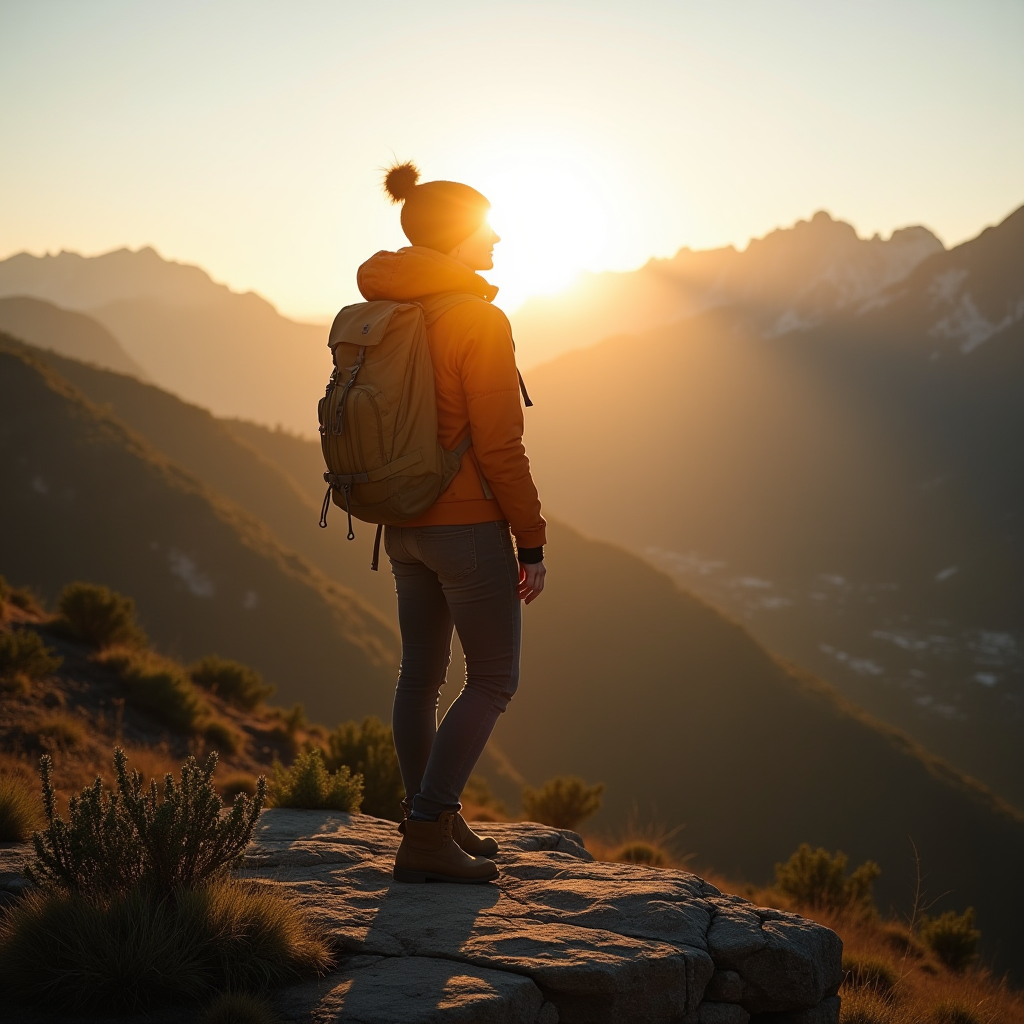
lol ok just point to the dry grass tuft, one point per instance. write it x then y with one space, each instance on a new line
133 950
238 1008
20 810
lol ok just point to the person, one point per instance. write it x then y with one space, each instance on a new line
455 565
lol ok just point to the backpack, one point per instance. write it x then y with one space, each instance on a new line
378 417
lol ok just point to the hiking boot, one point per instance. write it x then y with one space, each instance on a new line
429 853
479 846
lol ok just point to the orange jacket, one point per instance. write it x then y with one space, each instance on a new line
477 390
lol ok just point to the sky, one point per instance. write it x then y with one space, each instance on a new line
250 137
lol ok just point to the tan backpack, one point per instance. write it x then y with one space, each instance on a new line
378 418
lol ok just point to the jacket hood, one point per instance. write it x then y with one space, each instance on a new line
415 272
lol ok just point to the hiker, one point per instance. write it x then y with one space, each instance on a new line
455 565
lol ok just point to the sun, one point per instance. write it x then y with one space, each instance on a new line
554 218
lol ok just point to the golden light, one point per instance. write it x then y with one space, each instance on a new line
556 216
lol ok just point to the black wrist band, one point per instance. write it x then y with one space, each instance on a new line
530 556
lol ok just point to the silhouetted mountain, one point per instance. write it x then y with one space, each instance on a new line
853 491
792 277
47 326
232 353
85 498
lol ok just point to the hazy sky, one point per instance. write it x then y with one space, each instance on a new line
249 137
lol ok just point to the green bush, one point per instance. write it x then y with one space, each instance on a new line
231 681
309 784
19 810
23 653
642 851
160 686
238 782
562 802
869 972
816 878
113 842
369 750
238 1008
128 951
952 937
478 792
98 616
223 736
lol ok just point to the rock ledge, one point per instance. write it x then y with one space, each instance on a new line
559 938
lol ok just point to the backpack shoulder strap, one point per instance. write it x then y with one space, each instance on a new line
435 306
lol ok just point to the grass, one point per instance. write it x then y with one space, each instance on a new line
238 1008
309 784
20 813
133 950
158 685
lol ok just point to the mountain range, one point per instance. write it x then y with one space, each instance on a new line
852 490
232 353
792 277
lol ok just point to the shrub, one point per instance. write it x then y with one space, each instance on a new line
369 750
160 686
641 851
478 792
815 878
23 653
952 937
238 782
562 802
869 972
114 841
19 810
309 784
223 736
238 1008
5 589
130 950
231 681
98 616
25 599
59 731
952 1011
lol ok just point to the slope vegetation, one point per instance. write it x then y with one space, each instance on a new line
85 498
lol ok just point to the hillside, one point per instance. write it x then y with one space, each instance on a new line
628 680
231 353
239 461
86 498
791 277
854 492
47 326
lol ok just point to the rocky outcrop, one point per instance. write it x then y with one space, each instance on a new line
559 937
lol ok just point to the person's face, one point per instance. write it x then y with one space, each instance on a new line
477 251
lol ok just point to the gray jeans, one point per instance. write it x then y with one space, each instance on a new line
466 578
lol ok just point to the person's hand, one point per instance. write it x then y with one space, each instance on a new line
531 580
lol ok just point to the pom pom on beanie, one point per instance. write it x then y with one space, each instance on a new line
401 180
435 214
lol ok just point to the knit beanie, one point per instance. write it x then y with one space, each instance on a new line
436 214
